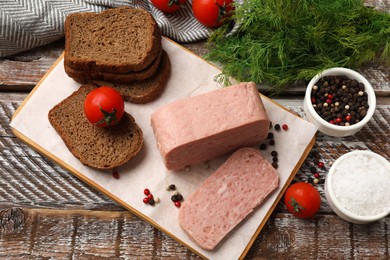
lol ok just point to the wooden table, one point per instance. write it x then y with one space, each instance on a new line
45 212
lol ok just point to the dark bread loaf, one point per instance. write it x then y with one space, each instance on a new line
118 40
141 92
119 78
101 148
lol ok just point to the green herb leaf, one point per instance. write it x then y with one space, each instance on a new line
282 42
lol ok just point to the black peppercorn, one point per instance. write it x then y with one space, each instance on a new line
174 198
275 165
179 197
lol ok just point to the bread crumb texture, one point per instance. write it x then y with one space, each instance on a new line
125 38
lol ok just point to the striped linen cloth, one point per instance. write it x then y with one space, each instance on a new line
25 24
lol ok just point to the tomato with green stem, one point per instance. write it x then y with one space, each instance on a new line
212 13
104 106
168 6
302 199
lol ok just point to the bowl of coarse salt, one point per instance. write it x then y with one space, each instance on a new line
357 187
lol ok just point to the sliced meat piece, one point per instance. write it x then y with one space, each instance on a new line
233 191
203 127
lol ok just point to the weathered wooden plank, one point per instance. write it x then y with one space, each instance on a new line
21 72
65 234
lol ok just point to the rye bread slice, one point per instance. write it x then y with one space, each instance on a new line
141 92
101 148
118 40
115 77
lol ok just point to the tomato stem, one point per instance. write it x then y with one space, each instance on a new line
109 118
173 2
221 10
296 207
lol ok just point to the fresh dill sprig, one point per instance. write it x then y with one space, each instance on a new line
282 42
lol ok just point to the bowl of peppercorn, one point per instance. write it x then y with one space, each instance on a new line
339 101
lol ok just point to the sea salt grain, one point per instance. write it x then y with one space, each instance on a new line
361 184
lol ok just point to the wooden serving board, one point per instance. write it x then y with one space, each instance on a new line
190 76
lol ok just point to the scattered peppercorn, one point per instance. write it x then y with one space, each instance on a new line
177 197
316 154
172 187
263 146
285 127
315 177
275 165
277 127
149 199
115 174
272 142
270 135
274 153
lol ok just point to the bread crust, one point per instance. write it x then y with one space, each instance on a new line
93 47
141 92
114 77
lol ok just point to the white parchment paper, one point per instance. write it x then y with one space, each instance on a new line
190 76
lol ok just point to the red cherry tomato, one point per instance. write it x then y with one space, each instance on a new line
104 106
212 13
302 200
168 6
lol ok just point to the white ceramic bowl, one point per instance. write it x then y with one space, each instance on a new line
326 127
337 197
